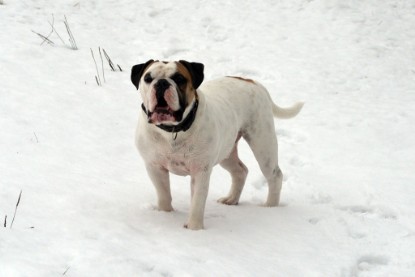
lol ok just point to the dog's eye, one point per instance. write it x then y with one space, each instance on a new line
179 79
147 78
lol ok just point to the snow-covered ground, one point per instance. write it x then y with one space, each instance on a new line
87 205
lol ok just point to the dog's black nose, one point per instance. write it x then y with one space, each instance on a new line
161 87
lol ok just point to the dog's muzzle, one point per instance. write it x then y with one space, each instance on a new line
183 125
164 111
161 86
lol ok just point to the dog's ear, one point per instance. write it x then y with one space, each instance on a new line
137 71
196 71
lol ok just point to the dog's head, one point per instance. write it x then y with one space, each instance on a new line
167 88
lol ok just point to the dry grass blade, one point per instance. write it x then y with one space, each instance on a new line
54 30
71 37
96 67
102 64
45 39
66 271
15 210
37 140
108 60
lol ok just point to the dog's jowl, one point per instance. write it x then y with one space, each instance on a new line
187 127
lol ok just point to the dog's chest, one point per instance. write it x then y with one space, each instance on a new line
178 158
177 165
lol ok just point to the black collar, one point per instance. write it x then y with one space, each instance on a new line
184 125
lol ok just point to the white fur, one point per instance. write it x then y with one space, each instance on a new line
228 109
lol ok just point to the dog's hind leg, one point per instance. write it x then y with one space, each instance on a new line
265 148
238 173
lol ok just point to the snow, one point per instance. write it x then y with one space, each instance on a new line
87 206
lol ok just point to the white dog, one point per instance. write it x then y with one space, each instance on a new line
186 129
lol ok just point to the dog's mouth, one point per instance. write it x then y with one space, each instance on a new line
161 114
164 115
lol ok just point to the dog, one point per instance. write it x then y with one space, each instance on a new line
187 128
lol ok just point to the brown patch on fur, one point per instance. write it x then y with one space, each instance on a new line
242 79
189 90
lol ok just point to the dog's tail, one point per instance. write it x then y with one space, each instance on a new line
285 113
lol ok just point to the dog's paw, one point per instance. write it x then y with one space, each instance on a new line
229 200
273 200
165 208
194 226
271 203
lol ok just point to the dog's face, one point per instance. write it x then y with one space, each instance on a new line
167 88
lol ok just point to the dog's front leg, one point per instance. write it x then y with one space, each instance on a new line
200 187
160 178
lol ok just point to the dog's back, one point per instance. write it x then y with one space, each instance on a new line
247 97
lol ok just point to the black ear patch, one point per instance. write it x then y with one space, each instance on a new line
196 71
137 71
